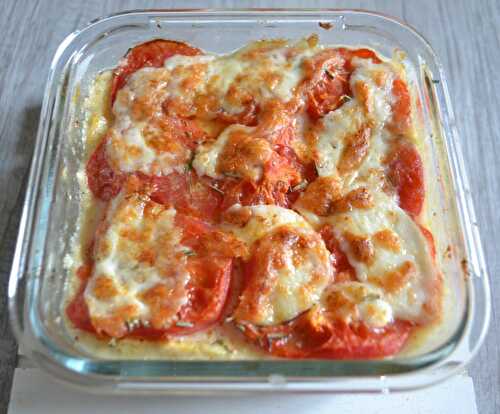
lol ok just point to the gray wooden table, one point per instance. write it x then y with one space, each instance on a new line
464 33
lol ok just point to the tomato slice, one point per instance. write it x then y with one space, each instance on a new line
328 83
208 287
188 193
406 173
343 270
349 54
359 341
401 108
311 336
430 240
328 80
77 310
210 267
104 182
149 54
210 264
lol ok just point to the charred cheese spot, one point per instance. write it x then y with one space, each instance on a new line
387 239
395 280
358 198
288 271
142 95
353 301
207 155
158 299
116 325
332 136
324 197
223 243
162 135
104 288
250 223
237 216
361 247
320 195
244 156
362 92
355 150
371 84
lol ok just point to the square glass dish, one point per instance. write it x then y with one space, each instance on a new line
51 210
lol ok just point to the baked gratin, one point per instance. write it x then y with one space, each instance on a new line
267 202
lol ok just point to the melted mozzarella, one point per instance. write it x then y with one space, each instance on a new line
139 139
207 155
258 73
289 268
355 301
372 86
370 108
254 222
407 275
331 136
140 267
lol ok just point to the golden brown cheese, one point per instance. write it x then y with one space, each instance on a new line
139 274
289 266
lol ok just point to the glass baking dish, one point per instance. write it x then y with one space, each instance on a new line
51 209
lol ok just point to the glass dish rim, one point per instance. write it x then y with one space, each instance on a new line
400 366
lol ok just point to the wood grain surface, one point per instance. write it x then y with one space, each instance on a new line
464 33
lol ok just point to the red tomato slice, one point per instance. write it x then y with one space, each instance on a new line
149 54
104 182
359 341
329 81
406 173
343 270
77 310
310 336
208 290
208 287
401 108
210 265
188 193
210 268
349 54
430 240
